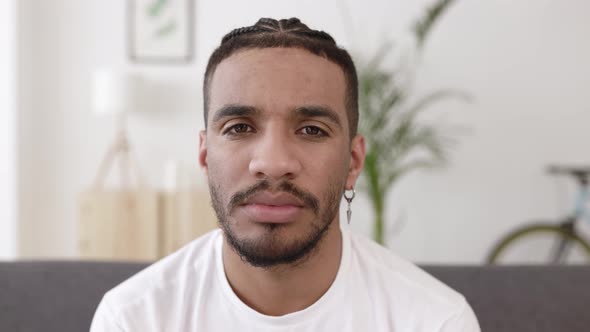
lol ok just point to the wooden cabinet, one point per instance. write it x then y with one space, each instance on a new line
134 225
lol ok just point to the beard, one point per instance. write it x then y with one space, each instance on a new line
271 248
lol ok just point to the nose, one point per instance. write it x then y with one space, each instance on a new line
274 158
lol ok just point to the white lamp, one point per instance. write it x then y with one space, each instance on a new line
117 93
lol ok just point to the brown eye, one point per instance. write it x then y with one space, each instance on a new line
238 129
313 131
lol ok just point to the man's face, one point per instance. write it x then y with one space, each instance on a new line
277 152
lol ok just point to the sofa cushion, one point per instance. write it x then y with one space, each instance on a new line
523 298
62 296
56 296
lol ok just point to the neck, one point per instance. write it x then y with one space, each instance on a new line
285 289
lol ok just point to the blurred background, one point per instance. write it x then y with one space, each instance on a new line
524 64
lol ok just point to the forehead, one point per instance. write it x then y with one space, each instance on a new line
277 78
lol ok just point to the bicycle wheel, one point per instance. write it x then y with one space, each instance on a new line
541 243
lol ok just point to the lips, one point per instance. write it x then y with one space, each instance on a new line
266 207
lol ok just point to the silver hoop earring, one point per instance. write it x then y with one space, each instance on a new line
349 200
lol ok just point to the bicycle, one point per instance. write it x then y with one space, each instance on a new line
544 242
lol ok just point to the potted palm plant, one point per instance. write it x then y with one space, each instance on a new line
398 142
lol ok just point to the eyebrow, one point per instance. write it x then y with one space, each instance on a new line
308 111
234 110
315 111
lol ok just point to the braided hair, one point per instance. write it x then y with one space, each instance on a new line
292 25
286 33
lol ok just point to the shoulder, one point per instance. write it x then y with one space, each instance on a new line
167 278
401 283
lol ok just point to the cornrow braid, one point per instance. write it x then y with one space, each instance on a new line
268 21
319 35
287 33
240 31
292 25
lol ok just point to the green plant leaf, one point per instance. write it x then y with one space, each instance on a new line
423 26
437 96
398 140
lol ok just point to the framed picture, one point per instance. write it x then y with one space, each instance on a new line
160 30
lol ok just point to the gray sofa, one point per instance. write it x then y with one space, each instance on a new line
62 296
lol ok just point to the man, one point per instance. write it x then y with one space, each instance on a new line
280 149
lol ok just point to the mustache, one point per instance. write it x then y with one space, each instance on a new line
308 199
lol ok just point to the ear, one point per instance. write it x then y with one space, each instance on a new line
203 151
357 160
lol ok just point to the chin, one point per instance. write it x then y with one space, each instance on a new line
276 244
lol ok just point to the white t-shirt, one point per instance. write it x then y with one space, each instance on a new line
374 290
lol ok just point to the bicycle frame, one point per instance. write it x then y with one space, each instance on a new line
563 230
580 211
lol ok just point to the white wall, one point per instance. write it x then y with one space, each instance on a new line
8 130
525 63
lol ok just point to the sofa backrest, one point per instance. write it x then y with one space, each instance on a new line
56 296
549 298
62 296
